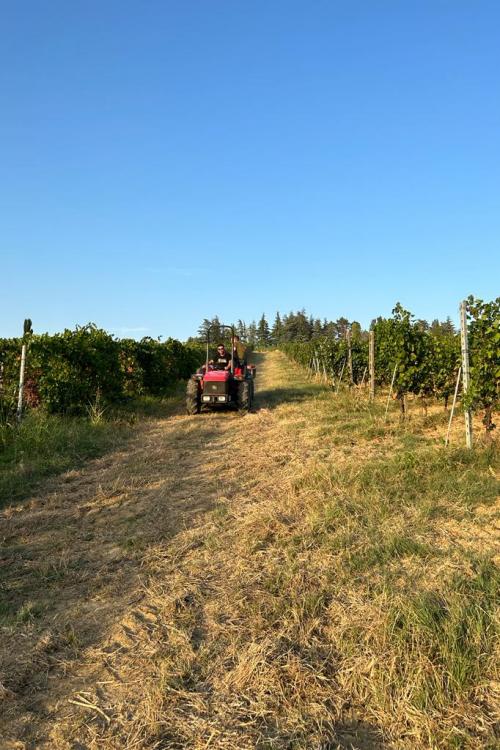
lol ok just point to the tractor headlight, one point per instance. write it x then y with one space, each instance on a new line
221 398
206 398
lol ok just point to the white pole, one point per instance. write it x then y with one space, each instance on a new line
341 375
447 440
371 361
363 378
21 384
390 391
324 371
465 371
349 355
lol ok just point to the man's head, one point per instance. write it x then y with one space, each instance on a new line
221 349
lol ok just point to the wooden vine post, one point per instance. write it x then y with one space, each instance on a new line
390 392
27 330
371 364
349 355
465 371
447 439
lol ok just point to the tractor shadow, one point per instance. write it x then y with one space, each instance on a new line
271 398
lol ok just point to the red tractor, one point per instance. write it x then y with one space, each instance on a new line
213 388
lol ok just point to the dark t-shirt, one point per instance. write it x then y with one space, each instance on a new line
221 361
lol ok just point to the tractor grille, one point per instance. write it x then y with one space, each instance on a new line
215 388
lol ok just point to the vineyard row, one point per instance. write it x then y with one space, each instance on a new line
66 372
415 360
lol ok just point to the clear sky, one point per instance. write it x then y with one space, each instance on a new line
163 161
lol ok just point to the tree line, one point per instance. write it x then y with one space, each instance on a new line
301 327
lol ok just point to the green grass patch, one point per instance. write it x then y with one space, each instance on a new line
43 445
47 444
388 549
446 638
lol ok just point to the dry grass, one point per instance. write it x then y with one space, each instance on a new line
305 578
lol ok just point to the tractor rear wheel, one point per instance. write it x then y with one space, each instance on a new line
193 403
244 396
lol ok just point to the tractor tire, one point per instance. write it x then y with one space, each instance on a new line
244 396
193 403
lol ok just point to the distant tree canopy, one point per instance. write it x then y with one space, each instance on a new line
299 327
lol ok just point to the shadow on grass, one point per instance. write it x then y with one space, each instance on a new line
273 397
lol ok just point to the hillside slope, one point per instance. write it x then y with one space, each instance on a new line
301 577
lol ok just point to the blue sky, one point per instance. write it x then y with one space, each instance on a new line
162 162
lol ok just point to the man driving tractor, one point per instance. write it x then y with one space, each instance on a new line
225 380
222 360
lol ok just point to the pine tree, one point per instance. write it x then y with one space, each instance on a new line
355 330
263 334
252 334
341 327
304 328
277 330
317 328
203 330
241 329
215 331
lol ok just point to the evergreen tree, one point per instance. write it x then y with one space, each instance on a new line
203 330
355 330
213 328
317 328
341 327
277 330
330 329
241 329
215 331
447 327
263 334
252 334
422 325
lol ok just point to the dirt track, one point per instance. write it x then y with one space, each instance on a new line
194 589
97 556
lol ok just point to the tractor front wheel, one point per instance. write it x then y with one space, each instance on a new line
193 403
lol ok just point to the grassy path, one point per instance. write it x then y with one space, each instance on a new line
303 577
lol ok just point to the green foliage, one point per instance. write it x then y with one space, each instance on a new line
426 358
331 353
484 346
67 371
263 333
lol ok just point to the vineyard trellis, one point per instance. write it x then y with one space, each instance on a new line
400 351
65 372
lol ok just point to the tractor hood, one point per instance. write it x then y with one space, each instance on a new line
217 376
